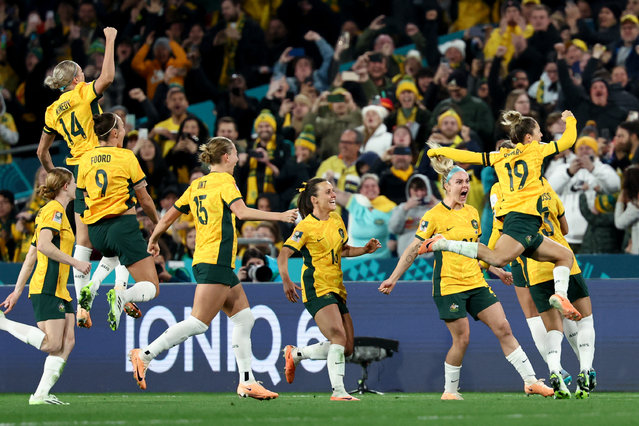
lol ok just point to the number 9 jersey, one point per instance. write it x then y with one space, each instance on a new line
209 198
72 117
108 175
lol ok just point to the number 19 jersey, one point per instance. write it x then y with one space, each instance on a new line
321 243
108 174
209 199
72 117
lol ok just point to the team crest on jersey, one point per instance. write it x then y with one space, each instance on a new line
341 232
454 307
423 225
57 217
61 307
475 224
297 236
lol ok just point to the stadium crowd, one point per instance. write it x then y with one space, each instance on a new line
341 104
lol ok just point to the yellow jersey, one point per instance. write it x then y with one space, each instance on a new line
50 277
72 117
551 212
209 198
321 243
108 174
452 272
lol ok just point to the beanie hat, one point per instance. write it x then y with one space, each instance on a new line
380 110
307 138
406 84
605 203
587 140
449 113
265 115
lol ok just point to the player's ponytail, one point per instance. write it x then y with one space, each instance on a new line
213 150
62 76
440 164
56 179
518 126
308 190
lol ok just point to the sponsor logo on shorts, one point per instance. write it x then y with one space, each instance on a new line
454 307
61 307
528 238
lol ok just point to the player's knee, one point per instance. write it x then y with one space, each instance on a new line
244 318
461 340
51 346
503 329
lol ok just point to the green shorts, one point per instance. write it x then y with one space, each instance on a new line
525 229
119 236
208 273
455 306
48 307
520 275
314 305
79 206
577 289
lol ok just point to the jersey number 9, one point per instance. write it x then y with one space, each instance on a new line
102 184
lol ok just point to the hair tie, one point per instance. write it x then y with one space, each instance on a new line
302 188
62 88
115 121
453 171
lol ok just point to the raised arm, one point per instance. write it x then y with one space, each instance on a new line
460 155
108 65
570 135
282 265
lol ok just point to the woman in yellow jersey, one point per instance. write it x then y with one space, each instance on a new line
459 287
71 116
535 285
108 175
518 171
321 237
215 201
51 245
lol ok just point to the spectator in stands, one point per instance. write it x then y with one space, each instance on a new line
596 105
299 168
304 72
530 53
267 154
168 57
616 89
546 90
340 169
601 235
183 157
291 116
158 175
237 104
626 145
583 173
406 216
268 231
165 132
8 231
473 111
331 114
373 72
9 135
627 208
607 24
251 259
236 45
392 182
409 112
624 52
376 136
512 29
368 215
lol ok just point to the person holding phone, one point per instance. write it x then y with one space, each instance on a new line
582 173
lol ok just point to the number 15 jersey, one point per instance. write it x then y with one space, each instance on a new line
209 198
321 243
108 174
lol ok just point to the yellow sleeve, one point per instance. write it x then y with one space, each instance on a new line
230 193
52 219
49 121
460 155
298 238
182 204
566 141
87 92
136 173
426 227
81 174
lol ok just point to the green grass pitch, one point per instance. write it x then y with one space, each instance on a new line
316 409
